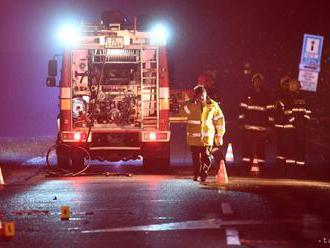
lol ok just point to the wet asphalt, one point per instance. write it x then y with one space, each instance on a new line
164 210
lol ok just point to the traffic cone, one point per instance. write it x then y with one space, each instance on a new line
221 177
229 154
255 169
1 229
2 182
9 229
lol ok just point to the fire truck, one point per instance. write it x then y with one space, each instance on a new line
113 95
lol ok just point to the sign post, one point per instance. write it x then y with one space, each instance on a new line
310 62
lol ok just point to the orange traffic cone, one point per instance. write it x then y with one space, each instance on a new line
221 177
1 229
2 182
255 169
229 154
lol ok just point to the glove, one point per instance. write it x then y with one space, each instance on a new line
218 140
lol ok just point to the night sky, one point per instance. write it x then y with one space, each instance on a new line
227 36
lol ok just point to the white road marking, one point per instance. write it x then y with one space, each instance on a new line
232 237
226 208
35 161
185 225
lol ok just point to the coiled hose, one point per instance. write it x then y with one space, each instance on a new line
62 171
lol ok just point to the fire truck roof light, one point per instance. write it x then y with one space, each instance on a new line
69 34
159 34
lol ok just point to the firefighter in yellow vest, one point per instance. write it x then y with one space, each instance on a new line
205 127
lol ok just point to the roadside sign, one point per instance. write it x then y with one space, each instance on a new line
311 51
308 80
310 62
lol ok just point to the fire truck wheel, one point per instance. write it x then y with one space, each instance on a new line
156 164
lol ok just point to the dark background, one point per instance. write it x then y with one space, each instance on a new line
229 36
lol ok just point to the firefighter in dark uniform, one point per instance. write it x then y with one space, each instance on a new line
205 126
281 97
255 120
294 119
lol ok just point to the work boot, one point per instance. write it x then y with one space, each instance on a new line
203 175
196 178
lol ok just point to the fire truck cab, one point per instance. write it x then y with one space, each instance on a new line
113 95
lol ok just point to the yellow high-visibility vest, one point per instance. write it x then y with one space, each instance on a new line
203 123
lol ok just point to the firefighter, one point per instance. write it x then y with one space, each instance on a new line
282 96
205 126
294 119
255 120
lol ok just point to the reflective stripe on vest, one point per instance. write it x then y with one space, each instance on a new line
217 117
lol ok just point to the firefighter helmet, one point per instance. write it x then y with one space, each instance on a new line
199 89
199 93
284 82
258 76
294 85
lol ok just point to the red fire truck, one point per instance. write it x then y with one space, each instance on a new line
114 95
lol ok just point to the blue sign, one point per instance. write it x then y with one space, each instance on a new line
311 51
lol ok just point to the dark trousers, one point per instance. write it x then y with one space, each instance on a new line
200 156
290 145
253 146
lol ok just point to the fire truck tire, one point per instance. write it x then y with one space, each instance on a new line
156 164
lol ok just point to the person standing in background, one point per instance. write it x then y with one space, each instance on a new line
255 119
293 116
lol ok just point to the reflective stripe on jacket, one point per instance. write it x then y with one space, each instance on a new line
255 110
203 123
293 112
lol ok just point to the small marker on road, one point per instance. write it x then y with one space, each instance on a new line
65 213
232 237
9 229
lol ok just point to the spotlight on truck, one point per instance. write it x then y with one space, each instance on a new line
159 34
68 34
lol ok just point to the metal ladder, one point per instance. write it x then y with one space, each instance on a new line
149 87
